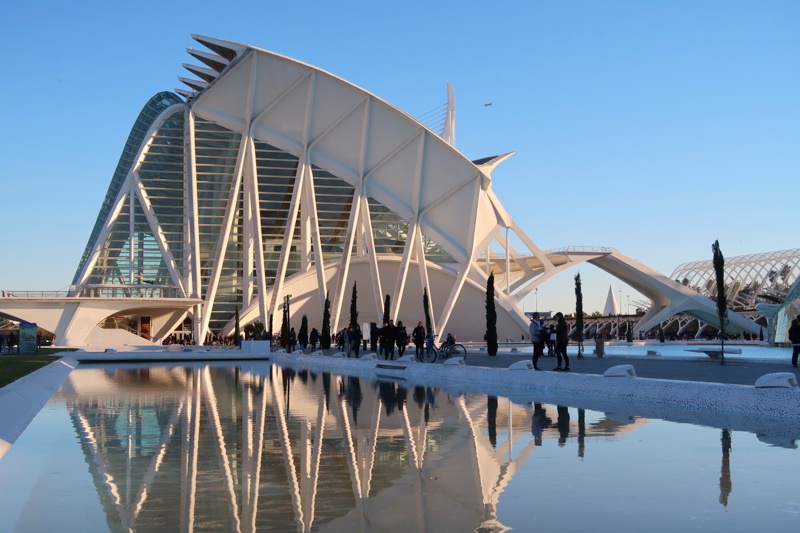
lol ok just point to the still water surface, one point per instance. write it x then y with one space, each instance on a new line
263 448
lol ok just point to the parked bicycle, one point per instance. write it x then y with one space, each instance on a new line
445 351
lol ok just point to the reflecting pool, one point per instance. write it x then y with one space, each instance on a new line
258 447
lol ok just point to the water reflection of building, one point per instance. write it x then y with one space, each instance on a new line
269 448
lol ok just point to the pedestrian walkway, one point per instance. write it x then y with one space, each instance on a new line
734 371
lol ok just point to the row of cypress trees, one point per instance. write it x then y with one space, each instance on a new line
491 311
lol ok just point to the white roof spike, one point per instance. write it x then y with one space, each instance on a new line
490 163
198 85
226 49
204 73
216 62
612 306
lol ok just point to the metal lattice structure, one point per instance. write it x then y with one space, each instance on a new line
749 279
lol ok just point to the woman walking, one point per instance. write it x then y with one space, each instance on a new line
562 339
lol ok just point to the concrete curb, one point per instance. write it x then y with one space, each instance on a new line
22 400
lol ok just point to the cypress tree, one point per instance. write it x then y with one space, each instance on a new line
579 315
722 299
354 307
491 317
325 334
386 303
302 335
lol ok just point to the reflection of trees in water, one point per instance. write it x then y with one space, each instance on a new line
725 483
491 418
326 389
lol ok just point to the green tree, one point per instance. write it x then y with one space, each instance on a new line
491 317
579 315
426 307
254 330
354 306
325 334
722 299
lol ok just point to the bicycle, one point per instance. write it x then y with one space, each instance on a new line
445 351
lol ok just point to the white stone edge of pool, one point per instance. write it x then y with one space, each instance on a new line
772 413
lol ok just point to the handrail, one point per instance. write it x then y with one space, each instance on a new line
103 291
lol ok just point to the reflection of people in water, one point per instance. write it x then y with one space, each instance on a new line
424 398
392 395
351 390
539 421
562 424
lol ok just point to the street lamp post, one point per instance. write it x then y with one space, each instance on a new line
536 291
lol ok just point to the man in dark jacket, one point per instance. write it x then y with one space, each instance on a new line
794 338
418 337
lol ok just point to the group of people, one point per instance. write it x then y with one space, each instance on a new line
540 336
291 339
349 340
8 342
391 335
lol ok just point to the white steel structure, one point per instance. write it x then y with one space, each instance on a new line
276 181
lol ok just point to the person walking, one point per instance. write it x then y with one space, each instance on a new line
794 338
389 339
401 337
314 338
355 340
537 338
418 337
562 339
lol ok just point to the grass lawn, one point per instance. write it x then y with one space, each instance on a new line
13 367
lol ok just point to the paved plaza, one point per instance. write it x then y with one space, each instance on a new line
734 371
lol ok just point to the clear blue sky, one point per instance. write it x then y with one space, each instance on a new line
651 127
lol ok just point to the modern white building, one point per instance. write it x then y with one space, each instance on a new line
270 180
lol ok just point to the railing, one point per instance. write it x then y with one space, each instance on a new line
34 294
102 291
129 291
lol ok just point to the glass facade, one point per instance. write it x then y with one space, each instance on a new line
150 112
131 261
